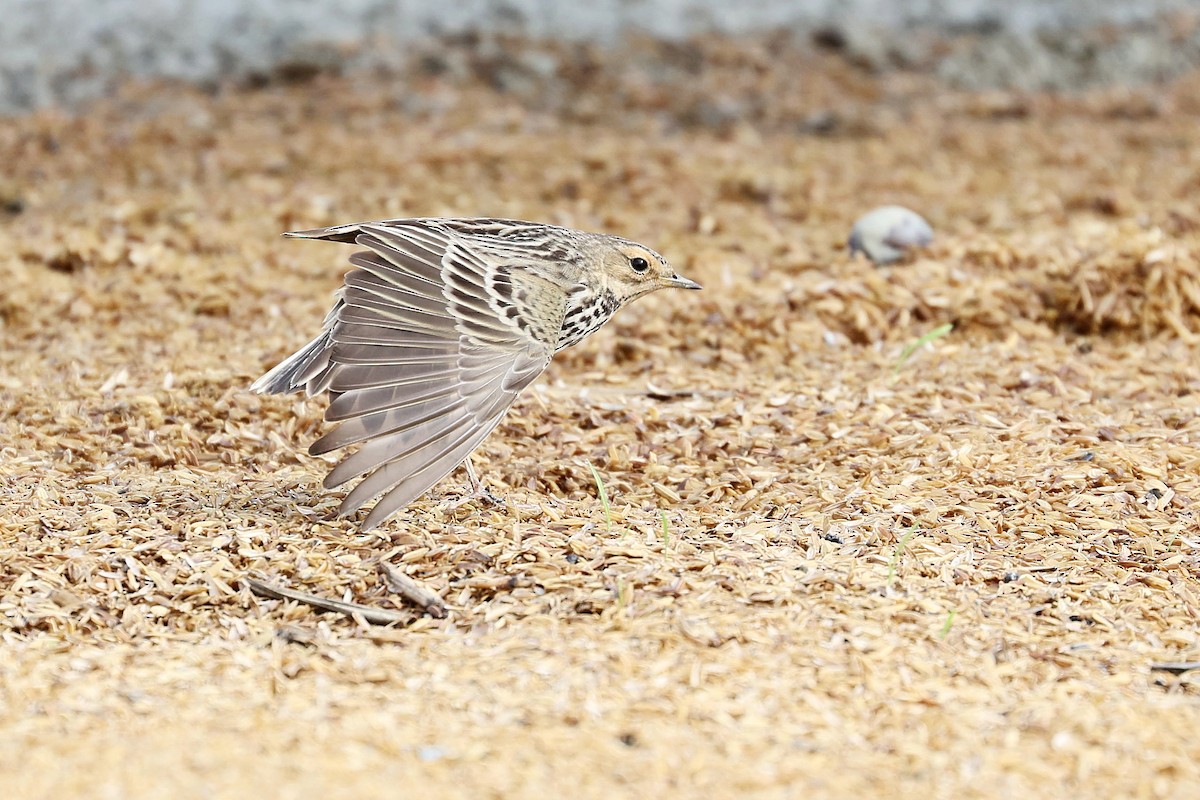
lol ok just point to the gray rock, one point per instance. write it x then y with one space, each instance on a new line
885 233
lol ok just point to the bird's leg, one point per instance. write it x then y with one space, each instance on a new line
477 490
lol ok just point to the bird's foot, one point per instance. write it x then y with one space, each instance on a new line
475 490
478 492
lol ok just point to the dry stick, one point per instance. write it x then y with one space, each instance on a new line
494 583
429 601
1175 667
375 616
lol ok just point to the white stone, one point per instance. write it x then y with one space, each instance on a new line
884 234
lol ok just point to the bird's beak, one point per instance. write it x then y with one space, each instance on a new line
677 282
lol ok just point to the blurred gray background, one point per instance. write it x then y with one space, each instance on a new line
65 51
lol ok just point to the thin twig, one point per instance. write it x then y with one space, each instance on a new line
375 616
429 601
1175 667
493 583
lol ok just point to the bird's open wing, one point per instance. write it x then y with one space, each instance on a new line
427 350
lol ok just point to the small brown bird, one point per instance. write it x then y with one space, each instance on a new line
439 327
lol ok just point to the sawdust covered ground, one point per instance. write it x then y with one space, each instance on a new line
825 570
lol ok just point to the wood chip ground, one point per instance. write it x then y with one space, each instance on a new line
824 571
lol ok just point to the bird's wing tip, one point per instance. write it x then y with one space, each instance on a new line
338 233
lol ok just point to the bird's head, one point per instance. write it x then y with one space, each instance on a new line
630 271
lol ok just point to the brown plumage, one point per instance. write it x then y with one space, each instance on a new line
439 327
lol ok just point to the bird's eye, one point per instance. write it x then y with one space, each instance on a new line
639 264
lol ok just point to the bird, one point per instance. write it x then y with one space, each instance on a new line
885 233
438 327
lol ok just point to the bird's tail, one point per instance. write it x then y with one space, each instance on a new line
301 370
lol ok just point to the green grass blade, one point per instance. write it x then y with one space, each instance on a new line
899 551
624 593
948 623
914 346
603 496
